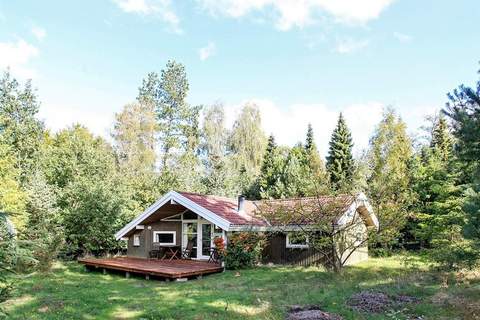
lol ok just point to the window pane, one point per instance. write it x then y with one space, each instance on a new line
165 237
297 238
190 227
190 215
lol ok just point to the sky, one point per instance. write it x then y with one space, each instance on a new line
300 61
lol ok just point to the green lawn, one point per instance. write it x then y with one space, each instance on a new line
69 292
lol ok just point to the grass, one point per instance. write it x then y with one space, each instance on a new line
69 292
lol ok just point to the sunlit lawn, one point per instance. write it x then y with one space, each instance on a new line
69 292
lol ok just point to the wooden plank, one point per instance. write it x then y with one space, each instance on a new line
167 269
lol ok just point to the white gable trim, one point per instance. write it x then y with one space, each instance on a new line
349 214
181 200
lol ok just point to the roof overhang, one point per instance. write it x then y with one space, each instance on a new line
361 206
177 198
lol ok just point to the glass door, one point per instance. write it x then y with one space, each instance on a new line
206 240
190 233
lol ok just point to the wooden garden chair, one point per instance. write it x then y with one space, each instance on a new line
187 252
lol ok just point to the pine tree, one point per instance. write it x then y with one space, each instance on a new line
271 172
340 165
441 141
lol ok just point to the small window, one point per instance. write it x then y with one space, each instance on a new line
297 240
166 238
136 240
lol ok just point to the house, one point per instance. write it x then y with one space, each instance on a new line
180 217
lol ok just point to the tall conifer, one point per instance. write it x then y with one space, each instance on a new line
340 164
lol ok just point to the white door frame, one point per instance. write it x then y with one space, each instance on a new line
199 221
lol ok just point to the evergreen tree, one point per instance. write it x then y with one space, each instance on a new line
441 141
463 109
270 178
340 164
177 127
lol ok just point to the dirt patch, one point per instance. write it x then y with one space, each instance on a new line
310 313
378 302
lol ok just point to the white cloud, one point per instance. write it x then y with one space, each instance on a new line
350 45
39 33
58 117
300 13
289 124
208 51
17 56
402 37
160 8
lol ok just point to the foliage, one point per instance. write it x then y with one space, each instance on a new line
294 172
43 227
134 140
7 258
218 177
317 175
82 172
463 109
244 250
340 162
247 142
12 197
177 126
18 125
270 181
389 181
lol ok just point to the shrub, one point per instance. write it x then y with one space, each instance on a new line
243 250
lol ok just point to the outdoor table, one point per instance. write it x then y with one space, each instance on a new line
172 251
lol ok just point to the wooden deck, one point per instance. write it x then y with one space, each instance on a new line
174 269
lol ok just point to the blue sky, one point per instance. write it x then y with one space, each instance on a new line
300 61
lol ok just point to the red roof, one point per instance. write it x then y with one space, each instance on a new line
227 207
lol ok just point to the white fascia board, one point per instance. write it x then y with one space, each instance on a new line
129 226
181 200
348 215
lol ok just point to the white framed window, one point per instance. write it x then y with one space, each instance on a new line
136 240
165 238
297 240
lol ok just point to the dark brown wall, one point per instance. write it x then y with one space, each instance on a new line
277 252
146 237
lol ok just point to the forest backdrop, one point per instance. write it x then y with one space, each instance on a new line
68 192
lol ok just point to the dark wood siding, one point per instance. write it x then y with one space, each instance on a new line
277 252
146 237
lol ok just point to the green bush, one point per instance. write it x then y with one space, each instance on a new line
243 250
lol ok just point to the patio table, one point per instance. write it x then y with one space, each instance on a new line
171 252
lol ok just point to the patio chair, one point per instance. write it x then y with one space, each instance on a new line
214 256
156 252
187 252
